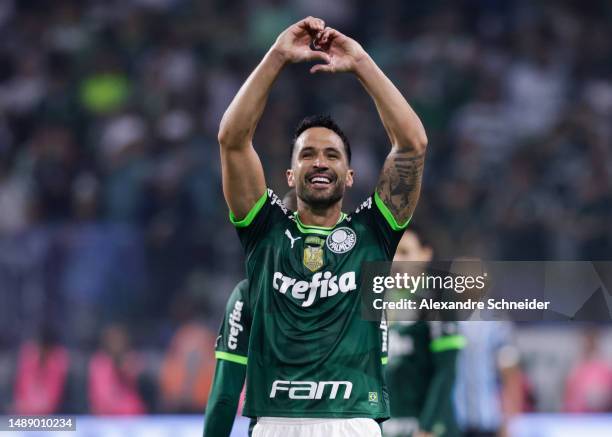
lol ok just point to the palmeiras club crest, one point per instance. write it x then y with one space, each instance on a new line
341 240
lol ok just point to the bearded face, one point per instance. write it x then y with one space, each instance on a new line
320 171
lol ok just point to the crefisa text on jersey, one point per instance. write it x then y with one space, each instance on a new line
234 325
323 283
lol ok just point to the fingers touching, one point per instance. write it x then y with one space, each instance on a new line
322 39
321 35
312 25
325 37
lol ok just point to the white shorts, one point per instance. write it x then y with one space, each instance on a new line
401 426
310 427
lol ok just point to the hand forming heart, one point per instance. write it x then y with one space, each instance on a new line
310 40
344 52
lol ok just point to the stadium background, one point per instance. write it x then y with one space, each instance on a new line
113 228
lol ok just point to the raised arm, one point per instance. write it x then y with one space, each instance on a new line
243 176
399 183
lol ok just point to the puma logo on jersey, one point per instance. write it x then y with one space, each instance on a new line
293 240
234 324
311 389
322 284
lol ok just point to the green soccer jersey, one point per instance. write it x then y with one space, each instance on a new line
310 353
421 373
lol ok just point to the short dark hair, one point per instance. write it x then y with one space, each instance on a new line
321 121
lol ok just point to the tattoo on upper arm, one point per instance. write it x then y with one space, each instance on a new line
400 183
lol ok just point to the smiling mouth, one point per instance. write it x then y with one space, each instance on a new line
319 181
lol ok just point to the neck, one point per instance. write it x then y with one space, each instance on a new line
326 217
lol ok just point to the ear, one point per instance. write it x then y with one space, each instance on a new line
349 177
290 178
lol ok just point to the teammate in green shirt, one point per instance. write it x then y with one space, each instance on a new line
314 365
421 369
231 352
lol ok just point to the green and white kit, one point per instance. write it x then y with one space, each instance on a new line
310 353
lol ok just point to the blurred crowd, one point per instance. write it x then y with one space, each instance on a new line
501 373
111 213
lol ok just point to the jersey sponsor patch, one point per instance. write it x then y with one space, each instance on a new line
235 327
311 389
341 240
323 284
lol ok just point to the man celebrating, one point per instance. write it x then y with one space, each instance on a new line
314 366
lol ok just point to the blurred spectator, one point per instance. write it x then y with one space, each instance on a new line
123 158
107 89
267 19
536 82
520 211
489 389
54 160
14 200
113 375
20 95
589 384
485 122
188 367
42 372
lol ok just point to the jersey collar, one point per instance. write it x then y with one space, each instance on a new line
321 230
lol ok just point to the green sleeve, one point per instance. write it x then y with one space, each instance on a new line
267 211
388 215
376 217
223 399
438 407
